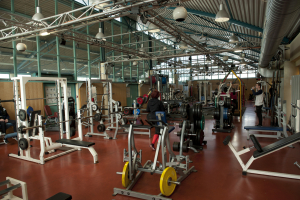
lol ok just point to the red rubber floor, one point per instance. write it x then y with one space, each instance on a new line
219 174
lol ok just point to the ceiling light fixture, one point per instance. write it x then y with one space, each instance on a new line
233 39
152 28
44 33
183 45
38 15
180 14
238 48
100 35
222 15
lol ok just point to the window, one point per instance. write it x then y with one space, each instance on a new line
24 75
4 76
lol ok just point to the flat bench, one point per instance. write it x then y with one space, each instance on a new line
274 146
60 196
80 144
280 131
75 142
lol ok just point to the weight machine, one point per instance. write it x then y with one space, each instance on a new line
168 168
222 112
281 130
161 83
206 87
112 109
45 142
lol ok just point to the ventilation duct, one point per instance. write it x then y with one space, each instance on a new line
280 16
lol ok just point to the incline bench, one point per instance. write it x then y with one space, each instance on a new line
260 152
80 144
280 131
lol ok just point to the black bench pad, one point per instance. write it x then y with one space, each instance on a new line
136 126
276 145
75 142
60 196
263 128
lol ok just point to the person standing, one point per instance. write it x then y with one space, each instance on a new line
259 101
153 106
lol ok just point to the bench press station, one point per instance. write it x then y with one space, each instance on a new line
46 142
261 152
133 169
281 130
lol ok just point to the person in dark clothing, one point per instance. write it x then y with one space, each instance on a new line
154 105
4 119
259 100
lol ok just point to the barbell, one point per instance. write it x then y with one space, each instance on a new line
22 129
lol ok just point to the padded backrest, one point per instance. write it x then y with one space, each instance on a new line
47 110
162 115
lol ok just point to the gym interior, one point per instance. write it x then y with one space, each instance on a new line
149 99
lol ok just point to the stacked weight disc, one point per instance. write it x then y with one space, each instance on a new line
199 124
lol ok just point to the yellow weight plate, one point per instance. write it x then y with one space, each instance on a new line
125 178
167 188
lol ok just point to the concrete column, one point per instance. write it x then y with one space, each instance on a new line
290 70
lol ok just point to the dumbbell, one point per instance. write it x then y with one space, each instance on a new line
185 146
187 125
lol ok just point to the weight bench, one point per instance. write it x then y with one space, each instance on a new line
261 152
80 144
142 127
280 131
60 196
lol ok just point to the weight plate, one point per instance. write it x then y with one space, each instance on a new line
185 147
72 131
97 117
100 128
221 103
125 175
227 103
119 103
216 113
125 120
22 115
126 111
140 100
176 146
202 123
23 143
20 129
94 107
167 188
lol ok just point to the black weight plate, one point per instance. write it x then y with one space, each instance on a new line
72 131
99 128
185 146
97 117
22 115
216 113
200 111
176 146
23 143
194 111
125 120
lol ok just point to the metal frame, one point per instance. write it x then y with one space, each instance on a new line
11 182
45 142
175 161
281 116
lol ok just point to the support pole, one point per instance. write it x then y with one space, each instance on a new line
74 49
122 52
38 55
88 52
240 96
113 53
57 44
14 44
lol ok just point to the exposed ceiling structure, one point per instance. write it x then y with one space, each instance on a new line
128 40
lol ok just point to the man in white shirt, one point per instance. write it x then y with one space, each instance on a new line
259 101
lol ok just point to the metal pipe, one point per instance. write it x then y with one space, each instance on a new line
74 49
14 43
279 18
57 44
